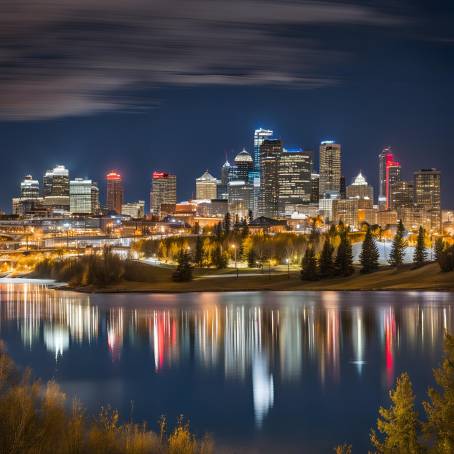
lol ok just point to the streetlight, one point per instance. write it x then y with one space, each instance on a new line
236 265
288 267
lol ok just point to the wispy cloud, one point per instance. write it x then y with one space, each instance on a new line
71 57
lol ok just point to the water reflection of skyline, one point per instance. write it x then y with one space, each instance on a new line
245 337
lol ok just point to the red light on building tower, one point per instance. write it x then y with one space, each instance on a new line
392 175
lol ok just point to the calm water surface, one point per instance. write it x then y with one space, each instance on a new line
262 372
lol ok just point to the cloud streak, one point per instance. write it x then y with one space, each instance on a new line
69 57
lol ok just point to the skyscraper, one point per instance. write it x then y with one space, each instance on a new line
315 182
428 195
330 168
81 198
163 191
222 184
270 156
360 189
115 192
389 174
29 188
402 195
206 187
295 185
259 136
244 165
56 189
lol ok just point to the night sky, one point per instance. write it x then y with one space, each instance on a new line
141 85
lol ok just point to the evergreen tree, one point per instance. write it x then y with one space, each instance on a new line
439 428
439 247
199 252
218 231
399 423
183 272
244 229
420 255
196 228
251 259
446 259
227 223
369 253
344 258
326 263
396 257
219 259
309 266
250 216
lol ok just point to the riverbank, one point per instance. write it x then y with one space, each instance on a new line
428 277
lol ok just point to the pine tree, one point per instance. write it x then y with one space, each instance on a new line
369 253
344 258
420 255
199 252
251 258
183 272
396 257
219 259
439 247
218 231
326 263
439 428
227 223
399 423
309 266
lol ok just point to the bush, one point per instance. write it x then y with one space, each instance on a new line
446 259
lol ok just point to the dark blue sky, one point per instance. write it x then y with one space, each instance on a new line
176 91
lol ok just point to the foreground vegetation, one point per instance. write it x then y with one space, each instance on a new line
36 418
399 429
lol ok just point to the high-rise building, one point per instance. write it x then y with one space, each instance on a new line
346 210
402 195
29 188
343 188
315 181
330 168
95 205
295 184
240 198
206 187
81 196
389 174
222 184
244 165
259 136
56 189
163 191
360 189
270 157
428 195
115 192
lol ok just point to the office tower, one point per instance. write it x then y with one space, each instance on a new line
29 188
295 184
428 195
56 189
206 187
222 183
389 174
343 188
56 182
95 206
270 156
330 168
115 192
315 181
240 198
346 210
244 165
163 191
402 195
360 189
259 136
81 196
135 210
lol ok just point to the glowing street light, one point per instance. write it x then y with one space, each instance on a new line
236 264
287 260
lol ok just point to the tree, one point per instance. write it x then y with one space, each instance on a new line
183 273
446 259
326 263
227 223
399 423
219 259
439 247
396 257
309 266
251 258
369 253
218 231
344 258
439 428
420 255
199 252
